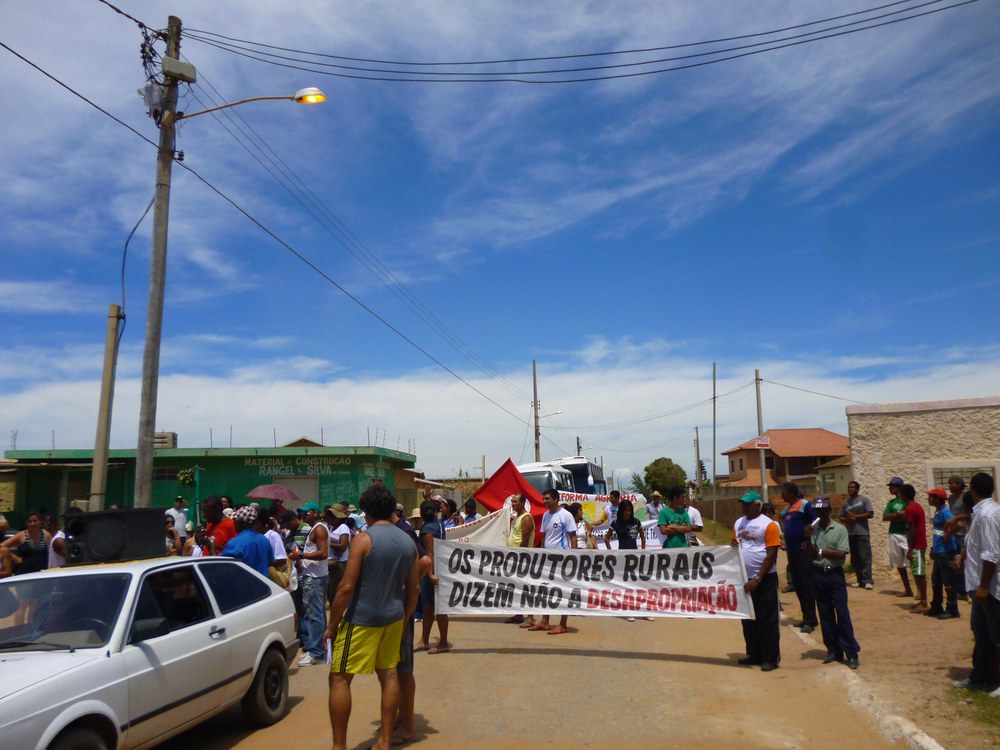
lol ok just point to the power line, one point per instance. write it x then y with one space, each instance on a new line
815 393
119 11
652 417
280 241
550 57
260 225
513 77
328 220
77 94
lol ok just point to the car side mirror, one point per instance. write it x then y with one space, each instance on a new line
154 627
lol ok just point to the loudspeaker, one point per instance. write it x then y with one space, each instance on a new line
114 535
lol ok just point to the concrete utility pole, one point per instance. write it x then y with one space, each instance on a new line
713 426
760 431
157 280
697 465
99 473
534 388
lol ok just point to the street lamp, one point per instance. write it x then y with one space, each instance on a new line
173 70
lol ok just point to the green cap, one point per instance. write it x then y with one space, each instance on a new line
751 497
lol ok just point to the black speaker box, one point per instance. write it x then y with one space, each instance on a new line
114 535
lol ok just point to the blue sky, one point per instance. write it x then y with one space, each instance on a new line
828 213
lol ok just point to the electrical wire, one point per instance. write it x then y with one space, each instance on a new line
264 228
815 393
123 13
512 78
324 216
77 94
275 237
584 69
652 417
551 57
121 330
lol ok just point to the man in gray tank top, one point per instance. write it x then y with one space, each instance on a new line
376 596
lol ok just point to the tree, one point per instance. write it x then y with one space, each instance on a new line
639 486
703 473
662 475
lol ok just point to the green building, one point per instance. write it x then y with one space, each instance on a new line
55 479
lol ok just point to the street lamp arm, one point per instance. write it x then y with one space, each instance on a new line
189 115
309 95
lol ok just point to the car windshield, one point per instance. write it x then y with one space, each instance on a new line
60 612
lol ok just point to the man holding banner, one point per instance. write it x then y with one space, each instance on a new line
559 528
758 538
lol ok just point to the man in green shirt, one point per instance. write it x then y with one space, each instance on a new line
827 547
674 521
895 515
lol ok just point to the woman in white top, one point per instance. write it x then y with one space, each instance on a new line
584 531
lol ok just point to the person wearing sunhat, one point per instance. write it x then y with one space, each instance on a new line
340 543
828 547
759 538
899 546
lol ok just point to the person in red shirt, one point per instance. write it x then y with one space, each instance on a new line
916 535
218 530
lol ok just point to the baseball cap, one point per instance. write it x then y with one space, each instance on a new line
821 502
938 492
897 480
310 506
751 497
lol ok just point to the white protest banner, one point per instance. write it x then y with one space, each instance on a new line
650 530
677 582
491 530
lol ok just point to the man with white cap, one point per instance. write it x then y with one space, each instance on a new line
759 538
827 547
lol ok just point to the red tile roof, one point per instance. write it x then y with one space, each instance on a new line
804 441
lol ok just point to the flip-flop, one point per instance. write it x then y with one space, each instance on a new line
527 624
557 630
422 648
399 741
438 650
518 619
538 626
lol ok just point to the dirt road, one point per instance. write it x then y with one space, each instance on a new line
606 681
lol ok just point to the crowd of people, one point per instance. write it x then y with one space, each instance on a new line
361 577
964 550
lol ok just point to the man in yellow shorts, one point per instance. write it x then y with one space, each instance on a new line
375 598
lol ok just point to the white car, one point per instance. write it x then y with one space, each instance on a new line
126 655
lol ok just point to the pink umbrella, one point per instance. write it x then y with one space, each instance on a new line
273 492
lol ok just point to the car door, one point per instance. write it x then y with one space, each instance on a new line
242 598
180 675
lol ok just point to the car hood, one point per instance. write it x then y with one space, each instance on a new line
20 670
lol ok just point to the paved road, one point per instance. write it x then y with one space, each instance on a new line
606 681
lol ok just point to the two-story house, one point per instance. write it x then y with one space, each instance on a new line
794 456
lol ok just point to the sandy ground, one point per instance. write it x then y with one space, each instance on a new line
647 683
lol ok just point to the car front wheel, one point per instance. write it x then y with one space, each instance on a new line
79 738
266 702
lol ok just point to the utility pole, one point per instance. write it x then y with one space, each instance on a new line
697 465
99 473
579 446
713 426
760 431
538 434
143 497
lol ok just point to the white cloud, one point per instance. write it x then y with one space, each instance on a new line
629 414
45 297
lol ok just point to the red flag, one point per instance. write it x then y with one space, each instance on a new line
503 483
